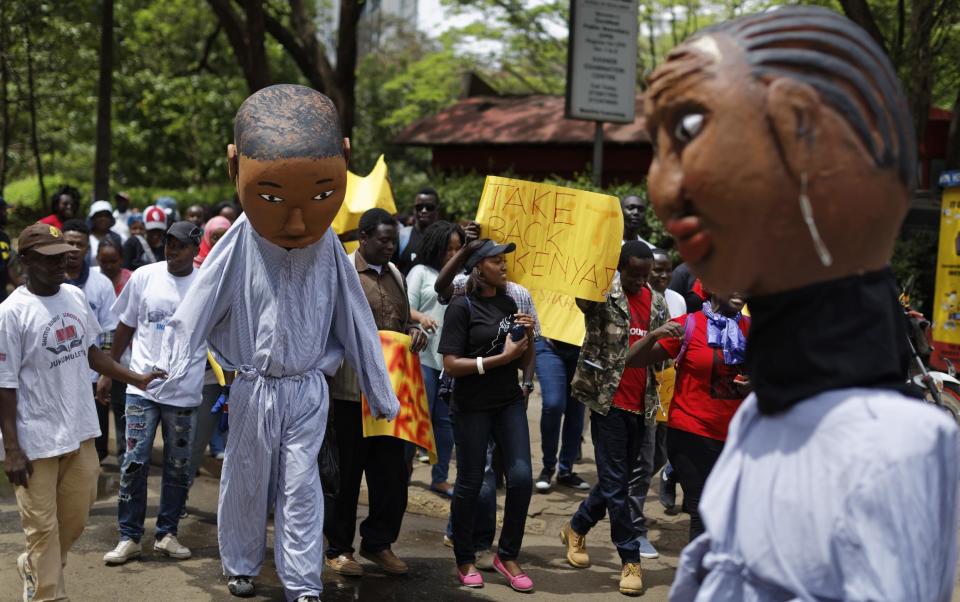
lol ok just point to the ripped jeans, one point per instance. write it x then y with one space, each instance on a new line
178 425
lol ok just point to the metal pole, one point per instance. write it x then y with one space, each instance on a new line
598 154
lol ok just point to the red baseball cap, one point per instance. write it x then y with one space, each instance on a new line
154 218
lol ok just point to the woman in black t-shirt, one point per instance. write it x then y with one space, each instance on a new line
479 352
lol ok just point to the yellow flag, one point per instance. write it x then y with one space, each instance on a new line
568 245
364 193
413 423
217 370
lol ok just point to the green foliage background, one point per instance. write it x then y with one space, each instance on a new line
177 85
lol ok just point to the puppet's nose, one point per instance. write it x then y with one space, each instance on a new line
295 225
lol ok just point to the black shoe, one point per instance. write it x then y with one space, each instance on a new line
573 481
241 586
542 483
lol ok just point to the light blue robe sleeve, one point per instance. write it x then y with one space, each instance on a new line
896 540
356 331
205 305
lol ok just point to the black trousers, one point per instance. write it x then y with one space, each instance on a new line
382 460
118 402
692 458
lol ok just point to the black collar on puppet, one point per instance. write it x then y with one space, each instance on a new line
838 334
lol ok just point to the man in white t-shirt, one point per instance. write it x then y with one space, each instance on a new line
121 214
98 290
47 419
660 281
145 306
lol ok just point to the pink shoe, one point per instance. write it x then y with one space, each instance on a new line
470 579
520 583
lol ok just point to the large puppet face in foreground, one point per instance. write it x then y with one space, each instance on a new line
748 117
289 163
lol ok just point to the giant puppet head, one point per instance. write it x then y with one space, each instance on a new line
784 151
289 162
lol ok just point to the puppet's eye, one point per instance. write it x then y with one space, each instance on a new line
688 127
323 195
271 198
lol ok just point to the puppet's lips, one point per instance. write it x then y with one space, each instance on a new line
693 242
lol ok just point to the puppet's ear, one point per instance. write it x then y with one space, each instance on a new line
233 162
794 111
346 151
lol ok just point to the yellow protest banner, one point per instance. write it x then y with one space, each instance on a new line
560 318
413 423
568 244
946 299
364 193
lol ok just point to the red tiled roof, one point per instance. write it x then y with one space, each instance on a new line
515 120
938 114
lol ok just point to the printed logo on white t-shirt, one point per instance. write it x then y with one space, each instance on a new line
64 334
159 318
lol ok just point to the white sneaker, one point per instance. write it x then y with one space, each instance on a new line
169 546
125 550
29 587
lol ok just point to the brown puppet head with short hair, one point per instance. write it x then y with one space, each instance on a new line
289 162
784 151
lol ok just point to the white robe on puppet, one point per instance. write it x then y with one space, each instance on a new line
284 320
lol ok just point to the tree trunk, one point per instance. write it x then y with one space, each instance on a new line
347 61
920 57
101 162
953 138
246 39
32 104
257 54
652 36
859 12
4 97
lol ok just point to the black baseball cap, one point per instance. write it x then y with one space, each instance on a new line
186 232
487 249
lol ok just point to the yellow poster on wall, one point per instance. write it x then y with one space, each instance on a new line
568 245
946 301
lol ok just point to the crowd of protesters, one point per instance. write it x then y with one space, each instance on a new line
660 371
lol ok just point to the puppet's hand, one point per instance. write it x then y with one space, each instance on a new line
391 411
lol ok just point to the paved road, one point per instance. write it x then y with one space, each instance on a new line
431 577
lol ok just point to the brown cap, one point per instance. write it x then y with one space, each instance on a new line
44 239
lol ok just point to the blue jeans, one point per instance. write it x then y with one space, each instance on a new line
556 364
485 520
472 432
178 425
617 440
442 427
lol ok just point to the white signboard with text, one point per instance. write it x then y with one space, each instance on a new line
602 60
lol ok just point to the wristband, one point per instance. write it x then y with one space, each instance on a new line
480 369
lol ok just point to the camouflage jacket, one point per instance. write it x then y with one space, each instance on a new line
603 355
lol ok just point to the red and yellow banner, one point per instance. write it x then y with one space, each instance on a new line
413 422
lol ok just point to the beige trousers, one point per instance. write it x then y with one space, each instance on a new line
53 510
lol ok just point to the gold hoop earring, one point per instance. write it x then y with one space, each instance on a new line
806 209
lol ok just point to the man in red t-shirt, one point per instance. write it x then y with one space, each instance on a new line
709 388
619 433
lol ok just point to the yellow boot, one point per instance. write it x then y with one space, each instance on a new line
576 547
631 579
